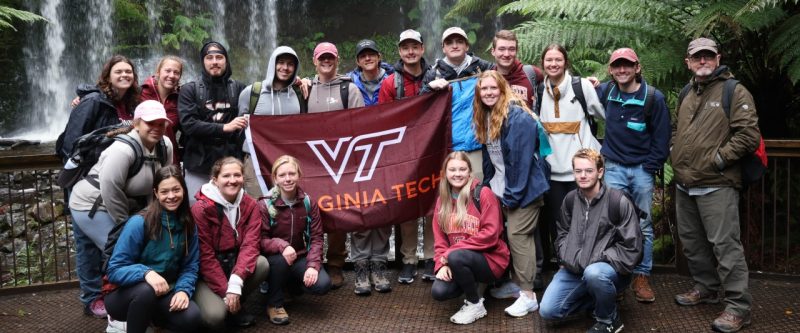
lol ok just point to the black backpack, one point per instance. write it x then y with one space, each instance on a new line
578 89
754 164
615 196
87 149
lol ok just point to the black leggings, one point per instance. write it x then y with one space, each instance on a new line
282 275
139 305
553 200
468 268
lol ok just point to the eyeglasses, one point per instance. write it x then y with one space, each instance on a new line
702 56
627 102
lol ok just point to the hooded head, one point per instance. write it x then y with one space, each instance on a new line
216 64
276 71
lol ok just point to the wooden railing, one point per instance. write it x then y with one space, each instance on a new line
36 244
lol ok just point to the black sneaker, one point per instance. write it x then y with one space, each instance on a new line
427 273
407 274
614 327
240 319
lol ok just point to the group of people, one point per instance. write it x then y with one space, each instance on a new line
527 183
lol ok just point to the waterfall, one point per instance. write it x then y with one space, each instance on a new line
217 32
431 28
261 37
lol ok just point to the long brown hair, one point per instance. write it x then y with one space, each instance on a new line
131 97
492 118
152 213
445 203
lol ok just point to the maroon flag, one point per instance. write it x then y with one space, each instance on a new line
367 167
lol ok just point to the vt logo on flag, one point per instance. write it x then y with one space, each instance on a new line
367 167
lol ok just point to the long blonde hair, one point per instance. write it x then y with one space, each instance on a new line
497 114
445 204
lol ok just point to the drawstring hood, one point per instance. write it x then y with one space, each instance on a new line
231 209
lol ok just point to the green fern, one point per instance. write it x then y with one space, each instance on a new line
8 14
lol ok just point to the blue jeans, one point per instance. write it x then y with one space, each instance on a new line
596 289
635 180
90 240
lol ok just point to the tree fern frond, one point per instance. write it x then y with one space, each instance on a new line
466 7
7 14
708 18
783 45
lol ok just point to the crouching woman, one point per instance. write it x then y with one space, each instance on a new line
153 269
467 245
291 238
228 225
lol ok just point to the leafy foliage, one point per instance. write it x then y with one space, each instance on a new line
189 30
8 14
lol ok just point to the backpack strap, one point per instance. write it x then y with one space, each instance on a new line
220 217
615 204
649 100
200 93
727 95
138 160
476 196
539 94
398 85
300 99
255 93
531 74
307 233
577 88
606 92
344 91
682 94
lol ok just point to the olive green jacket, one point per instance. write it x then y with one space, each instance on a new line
706 144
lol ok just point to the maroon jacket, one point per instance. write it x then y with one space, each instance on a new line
480 232
218 236
150 92
520 83
289 229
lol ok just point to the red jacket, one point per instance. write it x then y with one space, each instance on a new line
411 84
217 236
480 232
289 229
150 92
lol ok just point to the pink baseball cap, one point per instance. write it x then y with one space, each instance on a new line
325 47
624 53
150 110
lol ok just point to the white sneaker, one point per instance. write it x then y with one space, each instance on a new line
508 289
469 313
522 306
116 326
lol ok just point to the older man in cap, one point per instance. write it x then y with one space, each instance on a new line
707 145
635 147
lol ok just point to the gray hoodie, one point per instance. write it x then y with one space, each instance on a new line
327 97
272 102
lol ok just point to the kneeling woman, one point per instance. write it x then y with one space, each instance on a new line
291 238
228 226
154 266
467 244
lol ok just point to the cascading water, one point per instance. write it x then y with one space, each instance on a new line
72 47
72 51
261 37
431 28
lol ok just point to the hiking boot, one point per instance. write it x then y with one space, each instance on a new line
642 290
377 275
469 313
522 306
508 289
728 322
694 297
407 274
96 308
363 287
337 278
615 327
277 315
427 272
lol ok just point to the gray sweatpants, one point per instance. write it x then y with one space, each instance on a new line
372 245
